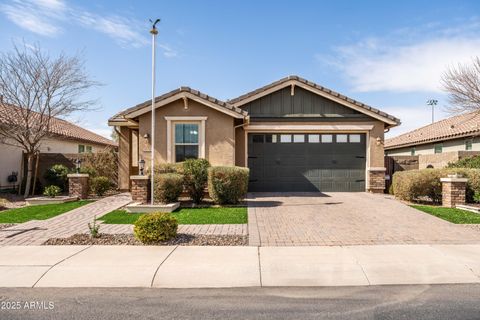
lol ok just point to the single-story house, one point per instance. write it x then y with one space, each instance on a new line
439 143
293 134
64 138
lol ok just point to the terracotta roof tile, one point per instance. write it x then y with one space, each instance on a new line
454 127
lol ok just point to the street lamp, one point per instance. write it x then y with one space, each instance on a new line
141 166
154 33
433 103
78 164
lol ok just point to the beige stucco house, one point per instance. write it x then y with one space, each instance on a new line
293 134
439 143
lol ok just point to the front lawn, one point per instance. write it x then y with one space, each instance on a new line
40 212
453 215
214 215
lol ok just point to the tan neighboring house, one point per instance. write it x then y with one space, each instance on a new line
65 138
293 134
439 143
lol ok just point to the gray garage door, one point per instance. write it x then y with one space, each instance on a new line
306 162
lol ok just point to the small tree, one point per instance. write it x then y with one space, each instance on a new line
35 88
462 83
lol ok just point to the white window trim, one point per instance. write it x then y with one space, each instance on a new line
170 136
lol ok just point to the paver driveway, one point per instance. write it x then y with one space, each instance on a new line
290 219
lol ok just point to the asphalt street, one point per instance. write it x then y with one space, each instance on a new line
375 302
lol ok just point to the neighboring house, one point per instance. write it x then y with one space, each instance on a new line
293 134
439 143
65 138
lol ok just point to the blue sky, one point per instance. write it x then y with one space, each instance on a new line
384 53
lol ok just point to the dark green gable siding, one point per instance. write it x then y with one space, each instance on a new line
303 104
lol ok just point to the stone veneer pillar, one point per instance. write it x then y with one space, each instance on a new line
376 179
453 190
140 188
78 185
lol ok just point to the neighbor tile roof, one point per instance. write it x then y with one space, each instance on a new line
458 126
316 86
223 104
65 129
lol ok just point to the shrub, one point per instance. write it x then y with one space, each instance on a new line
52 191
94 228
167 168
103 163
414 185
100 185
469 162
195 173
155 227
57 175
88 170
168 187
227 185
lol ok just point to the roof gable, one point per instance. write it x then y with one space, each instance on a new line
295 81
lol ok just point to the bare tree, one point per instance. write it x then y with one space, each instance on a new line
34 88
462 83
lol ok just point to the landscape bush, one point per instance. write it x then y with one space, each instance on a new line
52 191
100 185
103 163
424 184
167 187
227 185
167 168
155 227
469 162
57 175
195 177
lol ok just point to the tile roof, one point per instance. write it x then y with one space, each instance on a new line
223 104
65 129
316 86
458 126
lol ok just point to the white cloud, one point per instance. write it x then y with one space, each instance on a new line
46 18
390 64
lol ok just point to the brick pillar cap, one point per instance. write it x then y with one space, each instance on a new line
77 175
139 177
373 169
451 179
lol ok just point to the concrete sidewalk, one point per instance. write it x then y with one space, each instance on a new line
195 267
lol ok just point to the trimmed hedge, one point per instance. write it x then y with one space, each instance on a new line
155 227
100 185
227 185
413 185
195 177
168 187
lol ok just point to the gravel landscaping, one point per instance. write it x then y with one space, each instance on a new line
182 239
6 225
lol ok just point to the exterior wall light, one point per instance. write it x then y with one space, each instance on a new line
141 167
78 165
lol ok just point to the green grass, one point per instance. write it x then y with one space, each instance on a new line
40 212
215 215
453 215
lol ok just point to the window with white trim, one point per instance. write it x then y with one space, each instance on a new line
186 141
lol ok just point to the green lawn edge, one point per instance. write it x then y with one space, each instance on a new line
39 212
452 215
214 215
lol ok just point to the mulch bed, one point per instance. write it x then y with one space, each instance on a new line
182 239
6 225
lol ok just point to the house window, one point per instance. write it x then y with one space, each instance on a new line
354 138
327 138
313 138
468 144
438 148
298 138
341 138
285 138
81 148
412 151
186 141
89 149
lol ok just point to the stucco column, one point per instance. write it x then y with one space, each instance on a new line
453 190
376 179
78 185
140 188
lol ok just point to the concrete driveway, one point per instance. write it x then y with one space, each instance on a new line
306 219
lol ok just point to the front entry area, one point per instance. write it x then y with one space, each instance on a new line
307 162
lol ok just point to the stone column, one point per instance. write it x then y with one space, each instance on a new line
376 179
140 188
453 190
78 185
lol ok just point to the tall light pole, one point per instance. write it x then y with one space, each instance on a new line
154 33
433 103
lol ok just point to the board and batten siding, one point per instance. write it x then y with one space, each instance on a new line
303 104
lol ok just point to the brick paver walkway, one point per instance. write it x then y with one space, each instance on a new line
298 219
195 229
36 232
